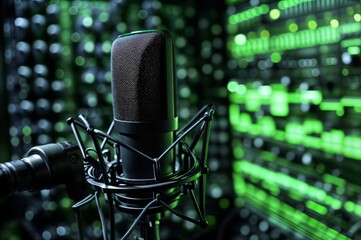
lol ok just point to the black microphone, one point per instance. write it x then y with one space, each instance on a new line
45 167
144 104
153 164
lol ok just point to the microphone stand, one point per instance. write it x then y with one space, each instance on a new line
149 227
104 174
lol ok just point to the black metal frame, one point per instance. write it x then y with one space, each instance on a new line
105 177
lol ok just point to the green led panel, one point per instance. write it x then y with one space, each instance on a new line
295 113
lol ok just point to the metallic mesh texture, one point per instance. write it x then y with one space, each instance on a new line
137 72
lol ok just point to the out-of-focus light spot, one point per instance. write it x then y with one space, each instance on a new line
79 60
26 130
87 21
276 57
345 72
240 39
265 33
312 24
357 17
275 14
293 27
334 23
232 86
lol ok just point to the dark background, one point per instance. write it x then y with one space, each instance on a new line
284 149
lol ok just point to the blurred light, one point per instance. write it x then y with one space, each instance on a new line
334 23
312 24
87 21
240 39
357 17
293 27
275 14
276 57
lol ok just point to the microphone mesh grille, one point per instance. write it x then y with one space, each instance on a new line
136 76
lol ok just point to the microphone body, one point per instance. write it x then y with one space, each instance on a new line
144 103
44 167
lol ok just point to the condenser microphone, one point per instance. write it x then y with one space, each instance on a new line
144 104
153 164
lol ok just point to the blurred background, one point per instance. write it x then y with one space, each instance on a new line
285 78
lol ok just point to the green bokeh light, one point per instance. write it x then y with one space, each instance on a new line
275 14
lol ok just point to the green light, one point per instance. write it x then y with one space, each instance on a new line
109 98
330 106
354 50
312 24
334 180
332 141
238 152
311 96
345 72
240 39
253 102
264 8
121 27
248 14
357 17
340 112
240 122
79 60
241 89
271 187
224 203
89 78
60 126
279 103
275 14
290 3
293 27
276 57
351 42
334 23
268 156
267 125
239 185
336 204
316 207
350 28
104 16
294 133
349 206
358 109
87 21
73 10
251 34
65 203
351 101
265 90
66 51
265 33
106 47
89 47
292 40
358 209
27 130
351 146
185 92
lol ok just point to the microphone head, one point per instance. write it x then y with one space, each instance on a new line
143 76
144 103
